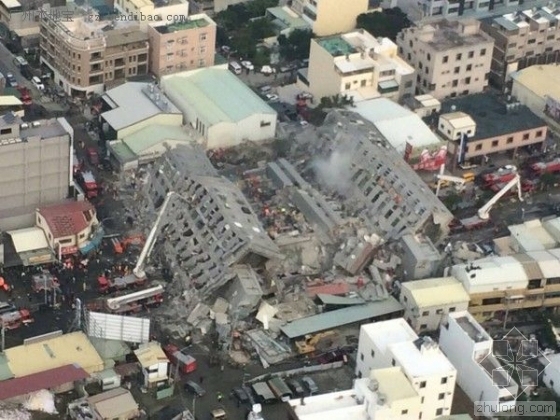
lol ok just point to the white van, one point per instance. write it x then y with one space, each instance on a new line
20 61
235 67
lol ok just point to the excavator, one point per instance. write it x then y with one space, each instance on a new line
313 342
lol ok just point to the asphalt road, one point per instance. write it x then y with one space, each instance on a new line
7 66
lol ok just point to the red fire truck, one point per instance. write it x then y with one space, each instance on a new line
180 358
129 303
107 285
12 318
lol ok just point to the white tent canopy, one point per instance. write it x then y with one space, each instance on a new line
28 239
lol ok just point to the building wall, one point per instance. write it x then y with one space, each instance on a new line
220 5
452 132
135 7
551 376
536 43
465 7
85 65
175 120
323 78
486 147
231 134
427 318
155 373
446 73
326 17
188 49
529 98
467 356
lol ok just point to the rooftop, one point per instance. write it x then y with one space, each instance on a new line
55 352
389 332
341 317
144 98
118 37
114 403
336 46
436 291
285 18
68 218
193 22
394 384
446 35
532 236
150 354
458 119
152 135
398 124
542 80
491 115
47 379
340 405
216 94
523 18
469 325
418 361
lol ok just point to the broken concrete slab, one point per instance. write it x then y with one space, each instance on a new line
221 306
199 313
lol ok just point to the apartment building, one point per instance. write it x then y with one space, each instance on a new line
385 394
479 373
85 55
492 125
394 343
427 302
35 160
523 39
181 46
327 17
147 12
470 7
452 57
358 65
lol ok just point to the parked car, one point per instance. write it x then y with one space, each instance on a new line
310 385
305 95
271 97
265 89
296 387
38 83
267 70
240 395
219 414
194 388
12 82
26 72
92 156
248 65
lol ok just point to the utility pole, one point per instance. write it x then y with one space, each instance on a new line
3 333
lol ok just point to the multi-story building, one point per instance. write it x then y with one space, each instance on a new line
147 12
181 46
520 280
427 302
35 160
479 373
85 55
358 65
327 17
452 57
470 7
499 126
394 343
523 39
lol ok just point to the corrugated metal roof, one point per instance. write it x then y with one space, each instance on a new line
150 354
339 300
549 263
28 239
115 403
437 291
530 266
340 317
47 379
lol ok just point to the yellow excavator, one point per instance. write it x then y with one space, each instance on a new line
323 340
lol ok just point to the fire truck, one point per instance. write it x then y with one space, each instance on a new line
129 303
88 183
180 358
106 285
12 318
551 167
502 175
527 186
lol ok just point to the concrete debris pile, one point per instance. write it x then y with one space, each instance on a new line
353 160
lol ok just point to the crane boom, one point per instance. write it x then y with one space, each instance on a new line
442 177
484 211
138 270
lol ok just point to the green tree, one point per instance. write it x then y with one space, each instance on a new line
238 15
547 181
387 23
296 45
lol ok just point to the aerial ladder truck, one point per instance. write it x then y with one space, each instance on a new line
442 179
483 214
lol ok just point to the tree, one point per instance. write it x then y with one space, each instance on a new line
238 15
296 45
547 181
387 23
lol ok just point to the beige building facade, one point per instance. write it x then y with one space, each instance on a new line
329 17
358 65
452 58
182 46
147 12
84 57
523 39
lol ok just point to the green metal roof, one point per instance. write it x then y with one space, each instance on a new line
336 46
122 152
216 95
5 372
288 18
153 135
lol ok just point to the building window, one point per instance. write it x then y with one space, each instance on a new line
478 147
362 357
393 363
459 56
483 51
267 124
404 412
439 411
347 86
202 37
526 136
452 309
423 384
509 140
439 311
425 313
539 133
441 396
408 84
372 354
454 83
444 380
422 400
445 59
495 143
202 50
456 70
423 326
467 80
471 54
469 67
363 83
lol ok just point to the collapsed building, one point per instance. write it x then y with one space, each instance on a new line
209 228
353 160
